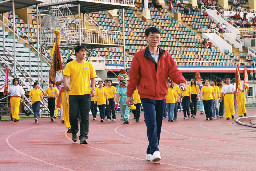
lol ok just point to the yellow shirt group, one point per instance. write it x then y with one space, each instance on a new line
186 92
111 92
171 96
194 89
80 75
207 92
216 92
136 97
51 92
36 95
101 95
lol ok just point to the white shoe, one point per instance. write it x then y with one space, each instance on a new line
94 119
108 119
148 157
113 119
156 156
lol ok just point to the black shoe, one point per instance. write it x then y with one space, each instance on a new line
218 116
244 114
207 119
172 120
202 113
52 119
126 122
102 120
83 141
69 130
233 117
62 122
193 116
228 118
74 137
210 118
16 120
169 120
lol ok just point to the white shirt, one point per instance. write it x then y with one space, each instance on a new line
155 56
228 89
16 90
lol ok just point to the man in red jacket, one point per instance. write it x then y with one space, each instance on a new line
150 70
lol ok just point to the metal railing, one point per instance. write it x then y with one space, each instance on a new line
56 2
252 51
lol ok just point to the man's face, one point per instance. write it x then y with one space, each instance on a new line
100 84
212 83
109 83
81 54
153 39
50 85
228 81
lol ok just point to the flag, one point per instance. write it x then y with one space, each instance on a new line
6 81
246 83
56 58
237 79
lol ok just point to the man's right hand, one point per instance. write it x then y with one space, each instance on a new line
129 101
67 87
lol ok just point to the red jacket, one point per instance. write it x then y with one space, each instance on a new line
151 78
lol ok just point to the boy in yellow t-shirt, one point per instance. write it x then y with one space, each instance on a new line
216 104
176 89
93 106
208 97
185 95
194 97
111 91
137 103
51 93
170 102
102 98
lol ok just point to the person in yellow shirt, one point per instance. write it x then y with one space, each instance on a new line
176 90
35 95
216 105
102 98
111 91
51 93
208 96
241 100
81 74
93 106
186 99
194 97
137 103
170 102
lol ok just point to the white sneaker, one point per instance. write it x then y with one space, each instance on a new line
113 119
148 157
156 156
94 119
108 119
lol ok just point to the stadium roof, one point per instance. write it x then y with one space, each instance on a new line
6 6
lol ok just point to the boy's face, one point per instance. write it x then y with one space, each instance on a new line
100 84
81 54
50 85
153 39
109 83
228 81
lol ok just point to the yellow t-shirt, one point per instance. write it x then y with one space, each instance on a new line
177 89
207 92
51 92
36 95
186 92
80 75
92 98
136 97
194 89
101 96
171 96
216 92
111 92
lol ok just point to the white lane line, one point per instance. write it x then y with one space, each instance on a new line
132 157
181 148
29 156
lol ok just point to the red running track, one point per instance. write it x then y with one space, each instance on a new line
192 144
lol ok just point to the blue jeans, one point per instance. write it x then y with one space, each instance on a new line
102 111
175 111
221 111
111 109
79 104
153 114
201 106
36 109
215 108
208 105
170 110
94 109
125 112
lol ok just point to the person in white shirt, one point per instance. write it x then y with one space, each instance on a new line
16 91
228 93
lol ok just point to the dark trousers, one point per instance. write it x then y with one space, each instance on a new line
193 105
208 104
51 106
185 105
153 113
102 111
221 111
111 109
79 103
175 111
94 109
137 113
36 109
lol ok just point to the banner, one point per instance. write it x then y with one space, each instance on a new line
246 83
6 80
56 58
237 79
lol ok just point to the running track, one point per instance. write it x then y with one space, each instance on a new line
193 144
